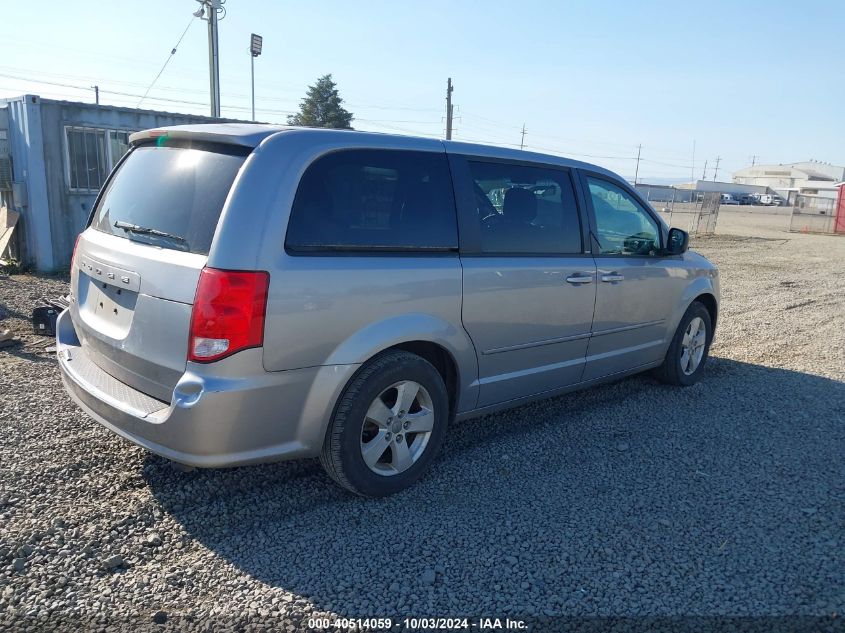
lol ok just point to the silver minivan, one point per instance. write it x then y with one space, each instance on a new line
248 293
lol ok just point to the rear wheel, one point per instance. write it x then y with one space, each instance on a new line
388 425
687 355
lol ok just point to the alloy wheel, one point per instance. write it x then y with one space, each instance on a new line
397 428
692 346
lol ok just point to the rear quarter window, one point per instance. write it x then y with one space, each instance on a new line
178 190
374 200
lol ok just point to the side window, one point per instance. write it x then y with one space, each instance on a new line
624 227
525 209
379 199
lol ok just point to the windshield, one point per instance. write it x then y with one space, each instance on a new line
169 195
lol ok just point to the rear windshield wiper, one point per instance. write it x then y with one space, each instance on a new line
143 230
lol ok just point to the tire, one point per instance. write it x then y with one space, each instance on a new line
673 370
360 426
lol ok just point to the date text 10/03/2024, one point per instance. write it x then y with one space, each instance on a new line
424 623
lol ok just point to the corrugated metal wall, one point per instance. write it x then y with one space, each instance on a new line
54 213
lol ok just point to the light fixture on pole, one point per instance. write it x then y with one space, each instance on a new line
208 11
255 44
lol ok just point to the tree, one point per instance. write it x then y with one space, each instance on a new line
322 107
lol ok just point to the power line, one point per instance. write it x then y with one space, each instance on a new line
567 140
665 164
500 124
496 123
136 95
382 123
401 121
114 92
230 107
166 61
231 79
287 100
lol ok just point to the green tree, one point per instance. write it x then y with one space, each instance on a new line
322 107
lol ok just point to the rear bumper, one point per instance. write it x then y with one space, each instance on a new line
227 413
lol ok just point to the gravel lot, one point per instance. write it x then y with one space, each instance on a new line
634 499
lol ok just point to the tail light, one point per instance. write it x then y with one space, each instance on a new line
73 257
228 313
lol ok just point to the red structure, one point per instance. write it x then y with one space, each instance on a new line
839 223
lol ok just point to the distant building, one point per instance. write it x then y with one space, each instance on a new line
54 157
724 187
658 193
810 178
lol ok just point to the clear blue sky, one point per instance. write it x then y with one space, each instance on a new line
590 80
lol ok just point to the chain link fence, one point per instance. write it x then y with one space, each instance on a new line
813 214
694 211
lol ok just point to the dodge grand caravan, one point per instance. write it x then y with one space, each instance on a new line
248 293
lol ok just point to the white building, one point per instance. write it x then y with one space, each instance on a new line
809 178
716 186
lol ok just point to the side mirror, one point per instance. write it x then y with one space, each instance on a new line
678 242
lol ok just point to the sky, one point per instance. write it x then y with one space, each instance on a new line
690 82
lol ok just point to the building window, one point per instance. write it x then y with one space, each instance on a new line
91 154
118 146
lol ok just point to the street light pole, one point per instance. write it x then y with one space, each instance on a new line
211 7
256 43
213 58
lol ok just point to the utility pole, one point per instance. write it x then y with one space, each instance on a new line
96 94
449 89
753 160
704 173
209 9
522 140
637 170
214 57
716 169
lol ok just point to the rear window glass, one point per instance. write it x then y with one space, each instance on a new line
374 199
170 196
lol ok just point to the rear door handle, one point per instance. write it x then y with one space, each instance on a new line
613 277
579 279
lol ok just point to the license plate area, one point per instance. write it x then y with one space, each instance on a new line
107 297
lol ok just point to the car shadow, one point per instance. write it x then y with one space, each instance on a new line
629 498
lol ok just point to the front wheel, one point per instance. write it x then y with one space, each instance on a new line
388 425
687 355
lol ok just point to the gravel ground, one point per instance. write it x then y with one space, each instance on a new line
633 500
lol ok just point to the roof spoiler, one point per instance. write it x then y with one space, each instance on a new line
221 133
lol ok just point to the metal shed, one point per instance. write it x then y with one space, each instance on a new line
54 157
